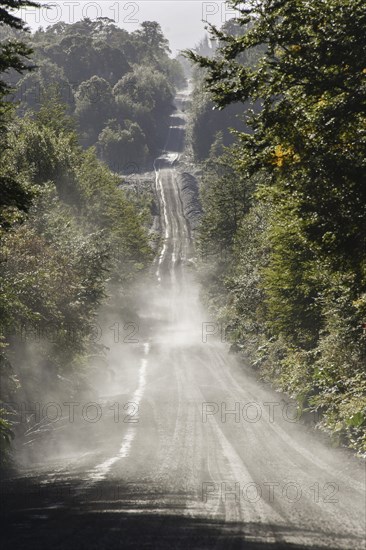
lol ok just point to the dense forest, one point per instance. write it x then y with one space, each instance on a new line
283 234
118 86
71 97
209 126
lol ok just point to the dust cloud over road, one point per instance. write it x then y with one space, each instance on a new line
192 452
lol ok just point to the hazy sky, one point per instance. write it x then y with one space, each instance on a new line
181 20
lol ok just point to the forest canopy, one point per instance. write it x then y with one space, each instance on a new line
104 74
71 97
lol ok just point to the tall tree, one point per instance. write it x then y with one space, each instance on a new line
307 147
153 37
310 131
14 55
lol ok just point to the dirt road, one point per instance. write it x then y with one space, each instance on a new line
203 456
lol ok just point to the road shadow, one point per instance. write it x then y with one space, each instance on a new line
62 516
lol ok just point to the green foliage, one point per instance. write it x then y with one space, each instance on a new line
120 147
39 152
94 107
14 55
206 120
104 73
52 274
104 204
227 196
45 81
207 123
310 131
340 377
6 436
81 235
146 97
293 288
292 278
68 231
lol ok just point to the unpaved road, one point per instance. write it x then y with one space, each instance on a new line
205 457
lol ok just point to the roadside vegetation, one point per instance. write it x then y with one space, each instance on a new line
71 235
283 234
